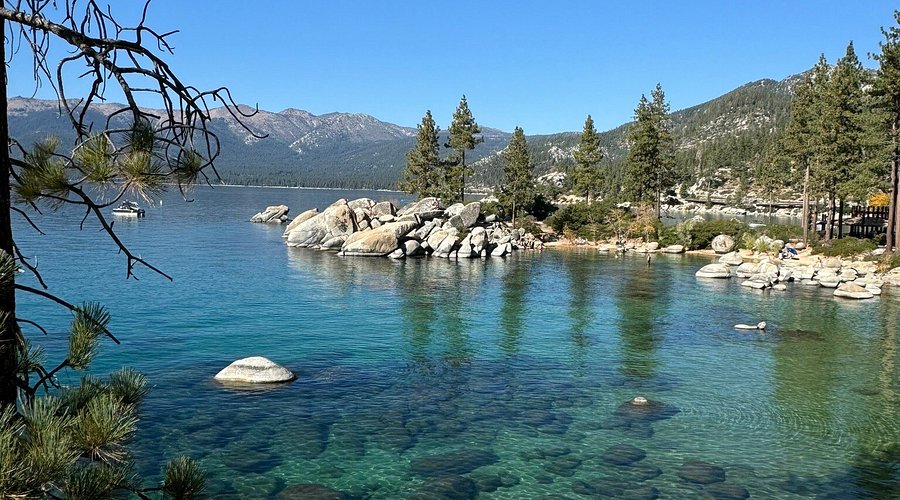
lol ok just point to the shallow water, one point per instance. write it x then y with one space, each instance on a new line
502 378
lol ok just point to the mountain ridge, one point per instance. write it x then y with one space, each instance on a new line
357 150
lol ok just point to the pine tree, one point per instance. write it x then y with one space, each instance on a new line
463 136
421 175
517 191
802 141
650 161
588 154
886 89
842 172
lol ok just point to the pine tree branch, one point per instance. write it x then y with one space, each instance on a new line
67 305
48 376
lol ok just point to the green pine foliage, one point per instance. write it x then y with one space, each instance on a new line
464 136
423 163
650 161
886 94
588 180
517 192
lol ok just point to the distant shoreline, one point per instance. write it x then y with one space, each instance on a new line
306 187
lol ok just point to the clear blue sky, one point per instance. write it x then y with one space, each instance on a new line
539 65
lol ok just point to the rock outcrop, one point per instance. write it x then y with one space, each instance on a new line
255 370
336 221
365 228
276 214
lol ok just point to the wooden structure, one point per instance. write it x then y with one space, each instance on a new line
868 221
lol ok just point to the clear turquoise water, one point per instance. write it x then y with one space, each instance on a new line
507 373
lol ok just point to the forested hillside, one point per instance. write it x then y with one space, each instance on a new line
719 137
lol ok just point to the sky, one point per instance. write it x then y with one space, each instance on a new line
542 66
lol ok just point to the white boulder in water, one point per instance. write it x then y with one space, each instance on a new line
853 291
255 370
275 214
714 271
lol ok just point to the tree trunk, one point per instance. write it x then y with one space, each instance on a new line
841 219
462 187
514 212
893 235
10 339
829 219
806 206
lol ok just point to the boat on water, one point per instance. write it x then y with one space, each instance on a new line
128 209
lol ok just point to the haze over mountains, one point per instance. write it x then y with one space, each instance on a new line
360 151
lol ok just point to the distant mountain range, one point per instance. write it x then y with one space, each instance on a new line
360 151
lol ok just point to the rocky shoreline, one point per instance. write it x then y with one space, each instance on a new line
365 228
850 278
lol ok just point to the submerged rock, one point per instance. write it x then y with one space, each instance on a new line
255 370
451 487
623 454
454 462
311 491
701 473
724 491
646 410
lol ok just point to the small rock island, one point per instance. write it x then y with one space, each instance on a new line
363 227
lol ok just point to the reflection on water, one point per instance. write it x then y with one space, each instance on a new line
515 282
641 302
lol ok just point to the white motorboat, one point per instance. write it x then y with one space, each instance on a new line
128 209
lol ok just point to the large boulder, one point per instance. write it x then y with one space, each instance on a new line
446 246
668 249
255 370
336 220
479 239
892 277
384 208
436 237
300 219
275 214
454 209
853 291
722 244
713 271
361 203
469 214
833 263
746 269
732 259
425 209
376 242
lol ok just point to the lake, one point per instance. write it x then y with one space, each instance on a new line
505 378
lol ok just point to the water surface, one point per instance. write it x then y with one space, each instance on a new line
503 377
